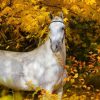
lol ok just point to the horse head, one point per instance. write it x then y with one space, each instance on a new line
56 32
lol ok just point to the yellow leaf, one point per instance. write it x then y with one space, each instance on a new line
43 8
90 2
65 11
73 1
34 1
7 47
84 86
76 75
98 50
36 7
66 79
72 80
18 45
76 8
65 19
8 97
98 59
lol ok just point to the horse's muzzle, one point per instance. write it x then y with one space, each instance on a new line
56 46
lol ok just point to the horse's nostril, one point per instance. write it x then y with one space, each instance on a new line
56 46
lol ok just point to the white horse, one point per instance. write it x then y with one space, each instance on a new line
42 67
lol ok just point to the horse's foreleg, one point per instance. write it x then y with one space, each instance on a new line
59 92
47 93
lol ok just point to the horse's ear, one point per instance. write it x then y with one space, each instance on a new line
50 15
61 15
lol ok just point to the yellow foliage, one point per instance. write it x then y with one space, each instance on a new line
76 9
76 75
8 97
65 11
72 81
32 15
7 10
48 96
90 2
33 1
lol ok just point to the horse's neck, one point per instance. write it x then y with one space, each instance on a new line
60 55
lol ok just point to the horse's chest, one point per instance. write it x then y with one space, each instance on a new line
44 73
51 77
